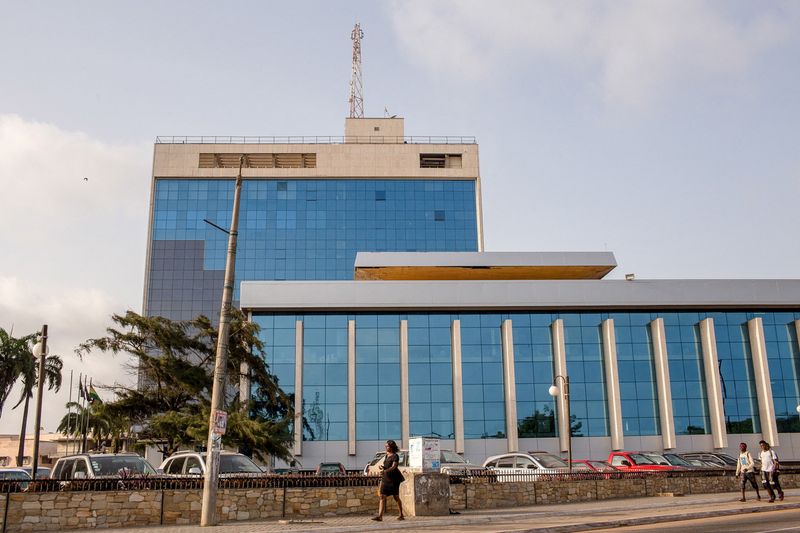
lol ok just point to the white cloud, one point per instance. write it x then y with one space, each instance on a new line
71 249
636 50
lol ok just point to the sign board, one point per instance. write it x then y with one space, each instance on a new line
220 422
424 454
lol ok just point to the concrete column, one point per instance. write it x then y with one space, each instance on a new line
612 385
560 368
716 407
509 385
458 386
661 360
351 387
405 425
766 409
298 388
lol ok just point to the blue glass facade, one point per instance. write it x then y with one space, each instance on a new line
430 371
293 230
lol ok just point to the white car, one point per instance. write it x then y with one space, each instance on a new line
194 464
525 466
449 463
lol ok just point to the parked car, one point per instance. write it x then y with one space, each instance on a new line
639 461
42 472
194 464
522 466
676 460
101 465
449 463
15 474
331 469
721 460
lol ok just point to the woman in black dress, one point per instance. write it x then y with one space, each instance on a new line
390 483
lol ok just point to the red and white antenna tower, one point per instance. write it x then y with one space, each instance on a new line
356 85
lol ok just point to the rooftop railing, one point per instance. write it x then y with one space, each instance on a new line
323 139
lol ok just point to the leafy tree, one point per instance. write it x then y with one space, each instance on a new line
174 362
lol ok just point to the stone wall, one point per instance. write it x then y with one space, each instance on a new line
479 494
83 510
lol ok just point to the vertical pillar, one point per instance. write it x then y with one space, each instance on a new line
661 360
509 385
458 386
404 408
560 368
612 385
298 388
766 409
716 407
351 387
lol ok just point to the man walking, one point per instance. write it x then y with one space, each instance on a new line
769 471
746 468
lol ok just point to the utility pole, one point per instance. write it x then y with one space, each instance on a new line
356 83
40 350
216 422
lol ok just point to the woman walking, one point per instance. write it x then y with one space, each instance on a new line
390 482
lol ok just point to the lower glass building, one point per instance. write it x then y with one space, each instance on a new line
466 354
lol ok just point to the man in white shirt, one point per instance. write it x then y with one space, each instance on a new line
769 471
746 470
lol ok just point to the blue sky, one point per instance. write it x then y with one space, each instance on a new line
664 131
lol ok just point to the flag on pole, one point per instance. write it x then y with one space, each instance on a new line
93 396
81 394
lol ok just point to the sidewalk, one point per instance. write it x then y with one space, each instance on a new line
543 518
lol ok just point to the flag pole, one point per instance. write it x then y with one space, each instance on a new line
69 410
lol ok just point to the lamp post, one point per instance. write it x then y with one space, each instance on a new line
217 417
40 351
554 391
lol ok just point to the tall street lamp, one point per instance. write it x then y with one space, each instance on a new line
40 351
554 391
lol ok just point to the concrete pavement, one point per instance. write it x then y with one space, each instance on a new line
540 518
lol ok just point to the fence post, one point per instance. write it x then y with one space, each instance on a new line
161 518
5 512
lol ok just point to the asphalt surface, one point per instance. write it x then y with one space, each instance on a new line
772 522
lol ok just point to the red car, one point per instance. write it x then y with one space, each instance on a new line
639 461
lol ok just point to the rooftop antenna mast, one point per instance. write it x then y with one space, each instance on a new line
356 85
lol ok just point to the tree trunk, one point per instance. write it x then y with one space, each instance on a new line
22 432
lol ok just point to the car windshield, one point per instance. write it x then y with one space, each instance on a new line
657 458
451 457
727 459
676 460
580 466
549 461
601 466
640 459
237 464
112 465
329 467
15 475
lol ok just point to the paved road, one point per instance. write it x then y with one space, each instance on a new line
774 522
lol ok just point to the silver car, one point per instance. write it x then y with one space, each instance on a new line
525 466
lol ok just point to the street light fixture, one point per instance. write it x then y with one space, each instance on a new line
554 391
40 352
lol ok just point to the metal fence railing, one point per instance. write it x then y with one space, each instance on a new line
297 480
304 479
564 475
315 139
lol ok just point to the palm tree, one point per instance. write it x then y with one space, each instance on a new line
16 360
101 427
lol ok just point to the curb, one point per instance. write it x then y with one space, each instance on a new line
624 522
393 525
